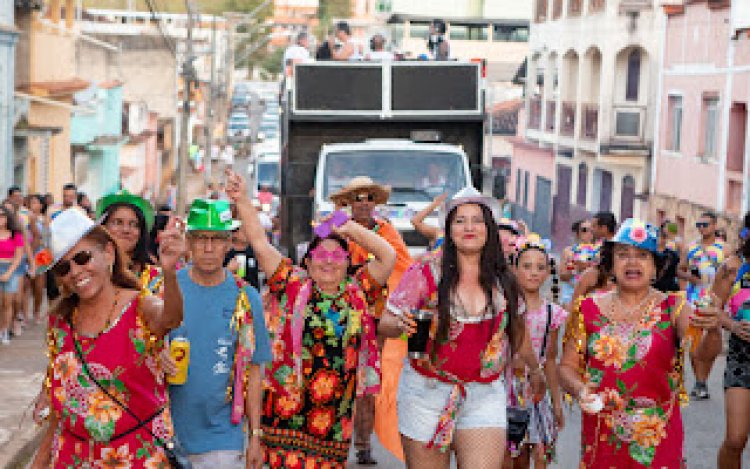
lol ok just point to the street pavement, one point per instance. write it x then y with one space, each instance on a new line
23 362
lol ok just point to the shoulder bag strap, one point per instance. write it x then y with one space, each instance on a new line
543 351
141 423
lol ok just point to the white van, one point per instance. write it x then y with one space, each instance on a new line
416 173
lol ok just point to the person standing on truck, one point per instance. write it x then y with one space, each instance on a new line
297 52
348 50
377 49
437 44
363 195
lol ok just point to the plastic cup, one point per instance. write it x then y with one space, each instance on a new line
417 344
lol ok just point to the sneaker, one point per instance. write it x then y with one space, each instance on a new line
700 393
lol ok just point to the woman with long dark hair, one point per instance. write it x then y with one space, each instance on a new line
623 358
104 380
325 351
39 229
129 219
11 252
732 288
453 397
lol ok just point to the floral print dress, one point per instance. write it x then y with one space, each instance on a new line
310 390
637 371
91 427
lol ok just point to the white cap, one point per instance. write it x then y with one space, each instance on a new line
469 195
66 230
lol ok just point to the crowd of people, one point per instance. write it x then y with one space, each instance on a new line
167 348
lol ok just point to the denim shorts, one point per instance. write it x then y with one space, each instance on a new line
11 286
421 400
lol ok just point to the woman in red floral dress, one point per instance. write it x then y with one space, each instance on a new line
325 353
623 359
106 385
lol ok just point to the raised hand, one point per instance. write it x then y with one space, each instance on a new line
236 186
172 245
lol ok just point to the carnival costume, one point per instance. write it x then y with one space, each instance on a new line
637 370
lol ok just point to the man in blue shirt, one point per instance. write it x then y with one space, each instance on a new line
201 409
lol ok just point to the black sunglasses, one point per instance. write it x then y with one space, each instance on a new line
62 268
702 224
365 197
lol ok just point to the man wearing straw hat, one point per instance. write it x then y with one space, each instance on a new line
362 195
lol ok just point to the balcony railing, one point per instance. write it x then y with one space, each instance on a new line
535 113
557 8
568 119
629 122
590 121
541 11
575 7
550 121
597 5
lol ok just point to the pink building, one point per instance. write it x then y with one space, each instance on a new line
701 150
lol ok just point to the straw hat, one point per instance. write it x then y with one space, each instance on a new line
359 185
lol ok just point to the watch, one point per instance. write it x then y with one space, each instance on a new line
257 432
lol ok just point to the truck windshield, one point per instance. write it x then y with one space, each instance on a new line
268 176
414 175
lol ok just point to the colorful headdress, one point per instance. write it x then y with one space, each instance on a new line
534 241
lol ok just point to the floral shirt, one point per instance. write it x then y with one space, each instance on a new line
325 354
636 368
124 359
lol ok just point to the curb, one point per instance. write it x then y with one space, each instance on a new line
21 458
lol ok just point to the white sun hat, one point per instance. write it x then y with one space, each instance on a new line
469 195
66 230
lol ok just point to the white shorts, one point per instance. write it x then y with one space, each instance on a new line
421 400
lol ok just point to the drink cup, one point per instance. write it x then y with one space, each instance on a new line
179 349
241 265
418 341
595 406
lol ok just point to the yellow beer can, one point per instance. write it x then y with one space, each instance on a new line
179 349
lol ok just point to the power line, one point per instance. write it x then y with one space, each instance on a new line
151 4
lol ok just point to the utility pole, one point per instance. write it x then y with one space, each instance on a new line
188 76
208 165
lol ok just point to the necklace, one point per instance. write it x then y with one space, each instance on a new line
107 322
626 312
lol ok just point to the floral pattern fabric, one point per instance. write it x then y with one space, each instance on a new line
124 360
307 414
636 370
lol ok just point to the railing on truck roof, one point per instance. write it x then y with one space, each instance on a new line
386 90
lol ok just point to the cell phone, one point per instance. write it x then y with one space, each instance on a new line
338 218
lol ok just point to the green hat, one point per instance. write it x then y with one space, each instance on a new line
125 197
211 215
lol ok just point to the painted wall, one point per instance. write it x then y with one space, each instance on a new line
7 85
700 59
59 170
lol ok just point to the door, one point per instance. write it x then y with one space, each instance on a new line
561 205
627 198
542 221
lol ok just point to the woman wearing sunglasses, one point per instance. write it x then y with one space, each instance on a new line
324 333
105 384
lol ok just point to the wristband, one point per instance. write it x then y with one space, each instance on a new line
257 432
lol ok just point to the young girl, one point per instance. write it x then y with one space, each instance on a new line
543 320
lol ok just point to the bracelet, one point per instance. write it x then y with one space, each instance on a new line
257 432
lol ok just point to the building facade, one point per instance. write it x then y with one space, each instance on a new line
8 38
702 146
591 94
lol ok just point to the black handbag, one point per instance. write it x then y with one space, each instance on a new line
518 423
176 454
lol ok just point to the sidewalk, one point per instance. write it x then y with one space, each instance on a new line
22 367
